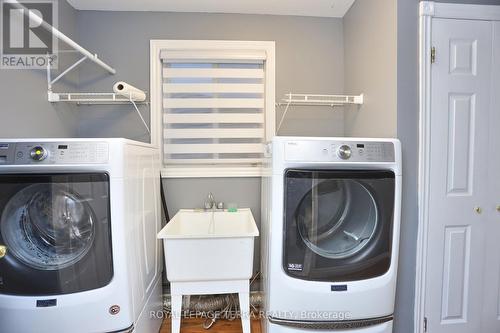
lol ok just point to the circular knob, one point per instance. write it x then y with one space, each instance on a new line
38 153
3 251
478 210
344 152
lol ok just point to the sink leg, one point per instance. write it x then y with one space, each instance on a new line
176 313
245 311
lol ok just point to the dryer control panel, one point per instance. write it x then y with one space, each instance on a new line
29 153
339 151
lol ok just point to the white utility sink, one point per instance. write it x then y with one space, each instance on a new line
189 223
209 252
209 245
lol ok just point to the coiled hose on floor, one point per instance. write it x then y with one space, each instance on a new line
214 307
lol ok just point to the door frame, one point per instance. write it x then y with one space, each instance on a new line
428 11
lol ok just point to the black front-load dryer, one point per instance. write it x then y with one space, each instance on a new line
337 224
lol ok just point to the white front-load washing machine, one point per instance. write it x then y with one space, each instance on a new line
78 225
330 228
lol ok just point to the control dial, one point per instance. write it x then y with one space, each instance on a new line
344 152
38 153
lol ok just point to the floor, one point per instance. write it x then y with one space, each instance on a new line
192 325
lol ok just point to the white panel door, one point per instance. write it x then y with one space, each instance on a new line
461 82
491 307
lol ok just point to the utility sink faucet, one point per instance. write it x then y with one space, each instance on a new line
210 203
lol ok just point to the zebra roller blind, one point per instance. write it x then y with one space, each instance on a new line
213 107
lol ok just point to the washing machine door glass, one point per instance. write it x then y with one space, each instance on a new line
48 226
338 223
56 230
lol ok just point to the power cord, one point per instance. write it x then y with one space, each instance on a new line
140 115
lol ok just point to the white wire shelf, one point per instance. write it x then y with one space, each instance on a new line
91 98
98 98
321 100
317 100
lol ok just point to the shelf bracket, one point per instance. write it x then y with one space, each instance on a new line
51 82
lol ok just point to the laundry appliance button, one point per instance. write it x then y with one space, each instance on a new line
38 153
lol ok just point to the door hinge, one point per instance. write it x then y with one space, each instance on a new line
425 324
433 54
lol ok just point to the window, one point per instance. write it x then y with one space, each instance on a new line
213 103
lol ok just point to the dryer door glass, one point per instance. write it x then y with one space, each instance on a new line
338 224
57 232
330 221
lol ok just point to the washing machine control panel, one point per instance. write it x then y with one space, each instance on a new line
29 153
337 151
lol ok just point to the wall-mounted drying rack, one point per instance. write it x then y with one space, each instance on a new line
87 55
317 100
83 98
80 98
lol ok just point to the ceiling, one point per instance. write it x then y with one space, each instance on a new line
321 8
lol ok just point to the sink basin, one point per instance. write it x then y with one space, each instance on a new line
209 246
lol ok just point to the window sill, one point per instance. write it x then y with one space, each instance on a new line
211 172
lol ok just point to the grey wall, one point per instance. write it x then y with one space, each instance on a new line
370 35
309 59
407 131
25 111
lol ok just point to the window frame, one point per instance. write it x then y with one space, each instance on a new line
156 100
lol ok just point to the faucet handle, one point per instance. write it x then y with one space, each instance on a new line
220 205
208 205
